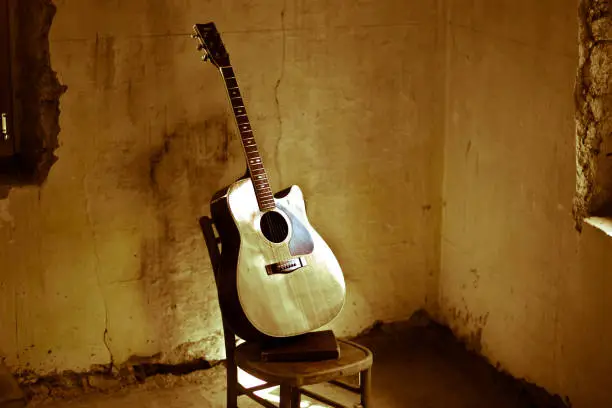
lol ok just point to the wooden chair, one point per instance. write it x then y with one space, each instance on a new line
355 360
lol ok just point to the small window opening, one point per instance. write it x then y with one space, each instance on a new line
29 94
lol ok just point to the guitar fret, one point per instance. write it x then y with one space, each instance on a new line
237 102
231 83
227 72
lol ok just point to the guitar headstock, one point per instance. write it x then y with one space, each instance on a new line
209 42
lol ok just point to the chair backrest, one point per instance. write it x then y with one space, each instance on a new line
213 244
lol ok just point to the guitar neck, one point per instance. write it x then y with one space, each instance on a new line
255 165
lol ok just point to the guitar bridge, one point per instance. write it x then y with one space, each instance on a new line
285 267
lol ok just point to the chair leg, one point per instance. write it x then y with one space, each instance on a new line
365 378
286 395
290 397
296 397
232 384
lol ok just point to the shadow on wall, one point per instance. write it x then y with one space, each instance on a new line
184 173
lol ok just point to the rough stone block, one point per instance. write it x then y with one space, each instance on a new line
593 118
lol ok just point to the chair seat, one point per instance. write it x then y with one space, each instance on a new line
354 358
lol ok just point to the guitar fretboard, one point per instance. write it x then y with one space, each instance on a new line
265 199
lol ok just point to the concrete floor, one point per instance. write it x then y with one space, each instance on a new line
415 365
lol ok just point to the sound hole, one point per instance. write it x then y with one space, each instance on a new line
274 227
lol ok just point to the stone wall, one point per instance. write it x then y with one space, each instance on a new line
594 119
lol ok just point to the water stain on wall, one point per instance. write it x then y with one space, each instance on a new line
183 174
468 327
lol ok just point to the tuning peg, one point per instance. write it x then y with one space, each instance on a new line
200 47
194 36
205 58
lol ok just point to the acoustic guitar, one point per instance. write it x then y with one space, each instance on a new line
278 277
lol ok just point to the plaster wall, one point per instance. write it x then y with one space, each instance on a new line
106 260
517 280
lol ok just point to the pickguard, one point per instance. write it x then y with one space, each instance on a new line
301 242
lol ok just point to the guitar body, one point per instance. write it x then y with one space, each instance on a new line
278 277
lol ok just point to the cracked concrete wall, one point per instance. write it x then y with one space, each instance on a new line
517 280
106 260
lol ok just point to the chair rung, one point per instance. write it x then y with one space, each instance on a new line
349 387
322 399
260 387
256 398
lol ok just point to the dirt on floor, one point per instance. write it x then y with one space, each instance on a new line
420 363
417 363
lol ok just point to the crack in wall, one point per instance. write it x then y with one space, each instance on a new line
15 301
105 336
278 82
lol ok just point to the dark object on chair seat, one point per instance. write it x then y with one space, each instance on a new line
313 346
354 358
